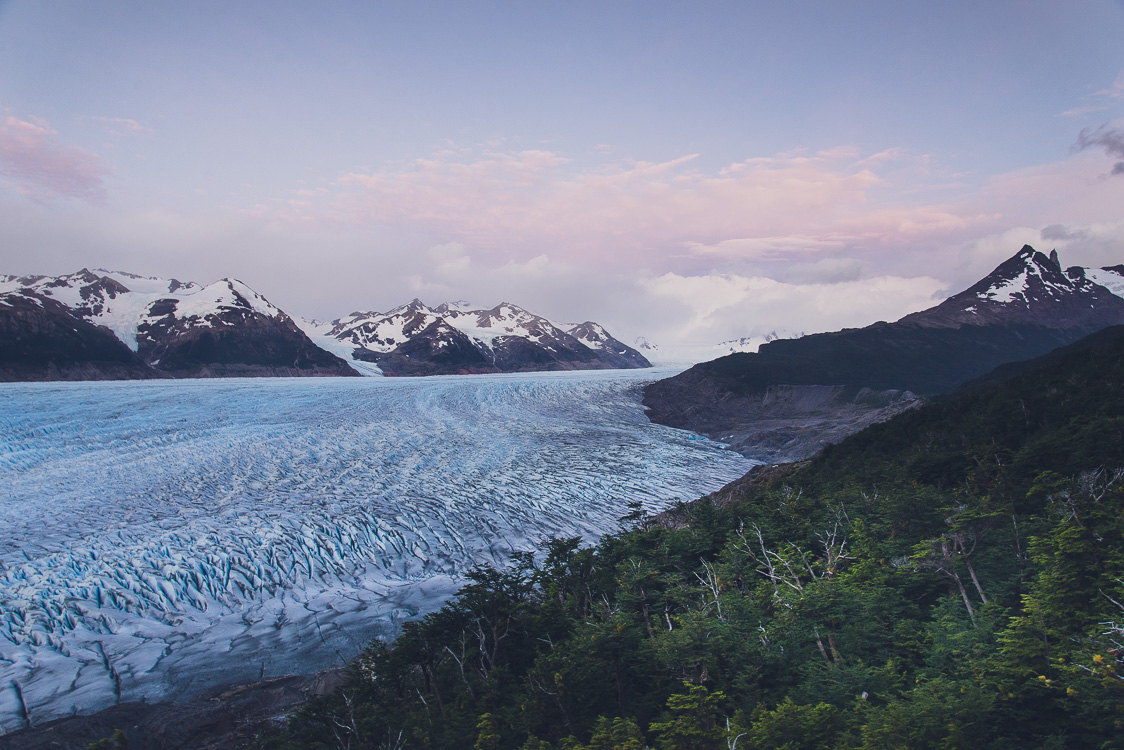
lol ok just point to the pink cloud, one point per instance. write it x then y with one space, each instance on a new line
517 204
34 162
792 207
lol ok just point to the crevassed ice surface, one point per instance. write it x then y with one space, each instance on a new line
158 538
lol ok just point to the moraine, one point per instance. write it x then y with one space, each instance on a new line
157 537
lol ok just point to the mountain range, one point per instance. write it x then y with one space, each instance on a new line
793 396
114 325
414 339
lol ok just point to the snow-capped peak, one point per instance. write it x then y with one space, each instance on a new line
124 301
1027 275
490 333
1029 287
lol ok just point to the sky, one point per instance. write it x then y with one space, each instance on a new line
687 172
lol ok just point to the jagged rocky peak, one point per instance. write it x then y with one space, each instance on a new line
509 315
1031 288
591 334
456 306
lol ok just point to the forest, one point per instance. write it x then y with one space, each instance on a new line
951 578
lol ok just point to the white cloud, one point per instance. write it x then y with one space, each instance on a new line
826 271
724 307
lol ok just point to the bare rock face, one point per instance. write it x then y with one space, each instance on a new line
41 339
792 397
780 424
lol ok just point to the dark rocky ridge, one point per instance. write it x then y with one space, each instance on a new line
40 339
1024 309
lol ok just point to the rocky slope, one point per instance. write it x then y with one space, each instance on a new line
785 401
41 339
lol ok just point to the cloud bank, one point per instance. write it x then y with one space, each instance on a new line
674 250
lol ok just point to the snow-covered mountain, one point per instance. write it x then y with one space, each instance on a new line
414 339
226 328
1031 288
177 329
42 339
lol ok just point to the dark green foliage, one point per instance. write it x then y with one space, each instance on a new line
950 579
117 742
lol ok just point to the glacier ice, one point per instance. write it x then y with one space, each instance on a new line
161 537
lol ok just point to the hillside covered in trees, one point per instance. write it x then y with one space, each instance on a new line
949 579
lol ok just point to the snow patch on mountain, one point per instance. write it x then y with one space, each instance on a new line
320 333
1008 290
693 353
1111 279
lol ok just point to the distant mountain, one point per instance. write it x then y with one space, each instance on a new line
109 324
793 396
414 339
690 353
173 329
1032 289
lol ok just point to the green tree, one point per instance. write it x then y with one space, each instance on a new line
487 738
691 720
117 742
793 727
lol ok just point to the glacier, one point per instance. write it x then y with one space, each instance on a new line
158 538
